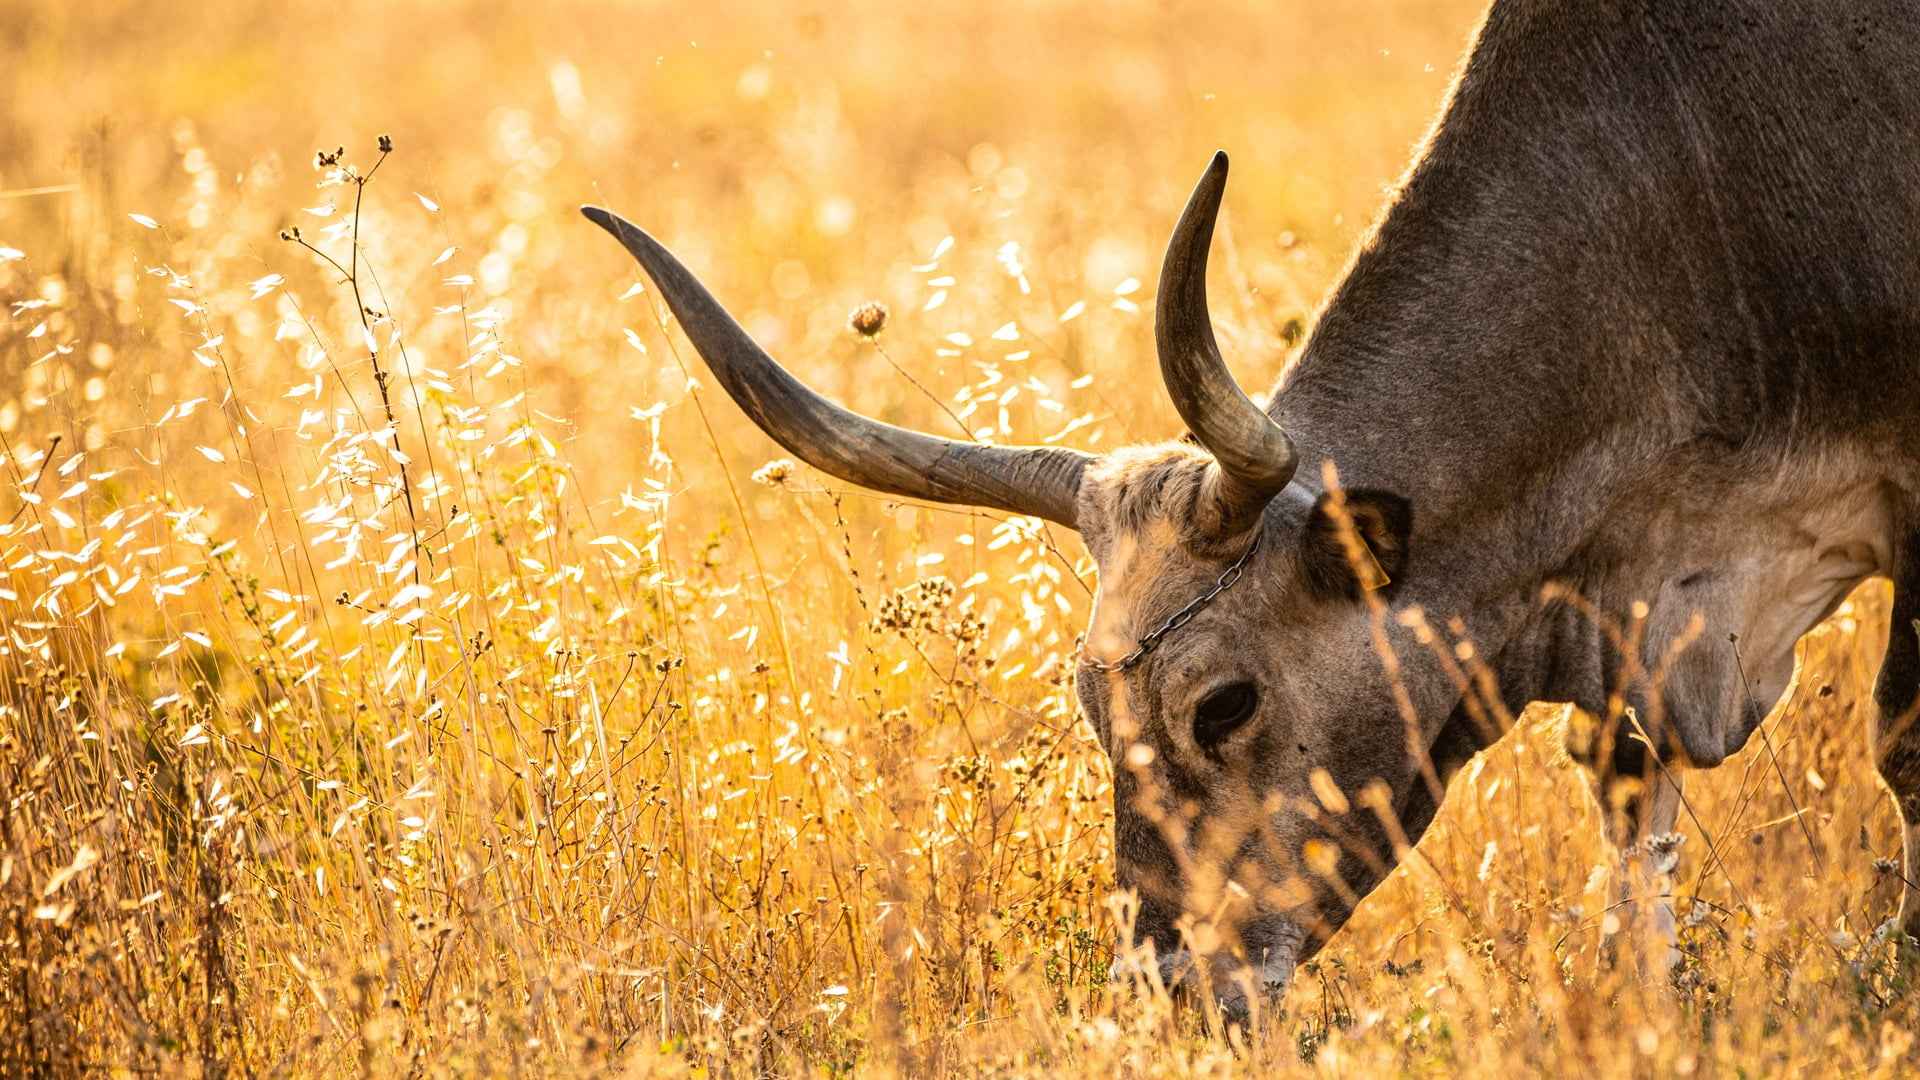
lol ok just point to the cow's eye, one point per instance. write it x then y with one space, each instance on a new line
1222 712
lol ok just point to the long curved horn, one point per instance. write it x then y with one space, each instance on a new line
1255 457
1043 481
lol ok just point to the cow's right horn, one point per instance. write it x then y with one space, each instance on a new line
1254 458
1043 481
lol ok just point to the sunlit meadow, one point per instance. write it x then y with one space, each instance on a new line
413 664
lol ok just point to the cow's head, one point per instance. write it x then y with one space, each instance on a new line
1229 668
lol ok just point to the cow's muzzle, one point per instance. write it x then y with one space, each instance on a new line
1238 982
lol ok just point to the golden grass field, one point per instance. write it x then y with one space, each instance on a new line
448 682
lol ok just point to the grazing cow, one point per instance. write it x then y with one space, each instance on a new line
1624 388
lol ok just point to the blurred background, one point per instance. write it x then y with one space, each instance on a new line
803 159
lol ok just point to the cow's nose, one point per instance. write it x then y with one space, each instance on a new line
1272 945
1239 979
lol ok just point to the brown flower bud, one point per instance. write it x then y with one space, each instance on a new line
868 319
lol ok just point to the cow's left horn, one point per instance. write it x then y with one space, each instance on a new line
1254 458
1043 481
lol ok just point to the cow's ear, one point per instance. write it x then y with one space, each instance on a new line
1356 542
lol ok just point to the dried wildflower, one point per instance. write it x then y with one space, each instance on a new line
915 607
868 319
1696 912
1885 866
386 144
774 473
1664 851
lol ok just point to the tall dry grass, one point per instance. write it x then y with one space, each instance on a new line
412 664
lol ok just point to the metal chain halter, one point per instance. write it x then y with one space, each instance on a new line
1180 618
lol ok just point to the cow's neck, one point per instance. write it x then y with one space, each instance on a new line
1563 400
1734 556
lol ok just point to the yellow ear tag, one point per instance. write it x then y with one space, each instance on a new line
1374 576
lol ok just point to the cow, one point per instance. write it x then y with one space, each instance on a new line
1622 389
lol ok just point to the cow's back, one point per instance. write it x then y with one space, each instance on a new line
1700 217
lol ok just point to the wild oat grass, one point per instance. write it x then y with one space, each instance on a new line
412 664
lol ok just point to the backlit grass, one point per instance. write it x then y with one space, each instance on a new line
412 663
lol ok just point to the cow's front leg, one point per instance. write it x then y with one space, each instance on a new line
1648 851
1896 731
